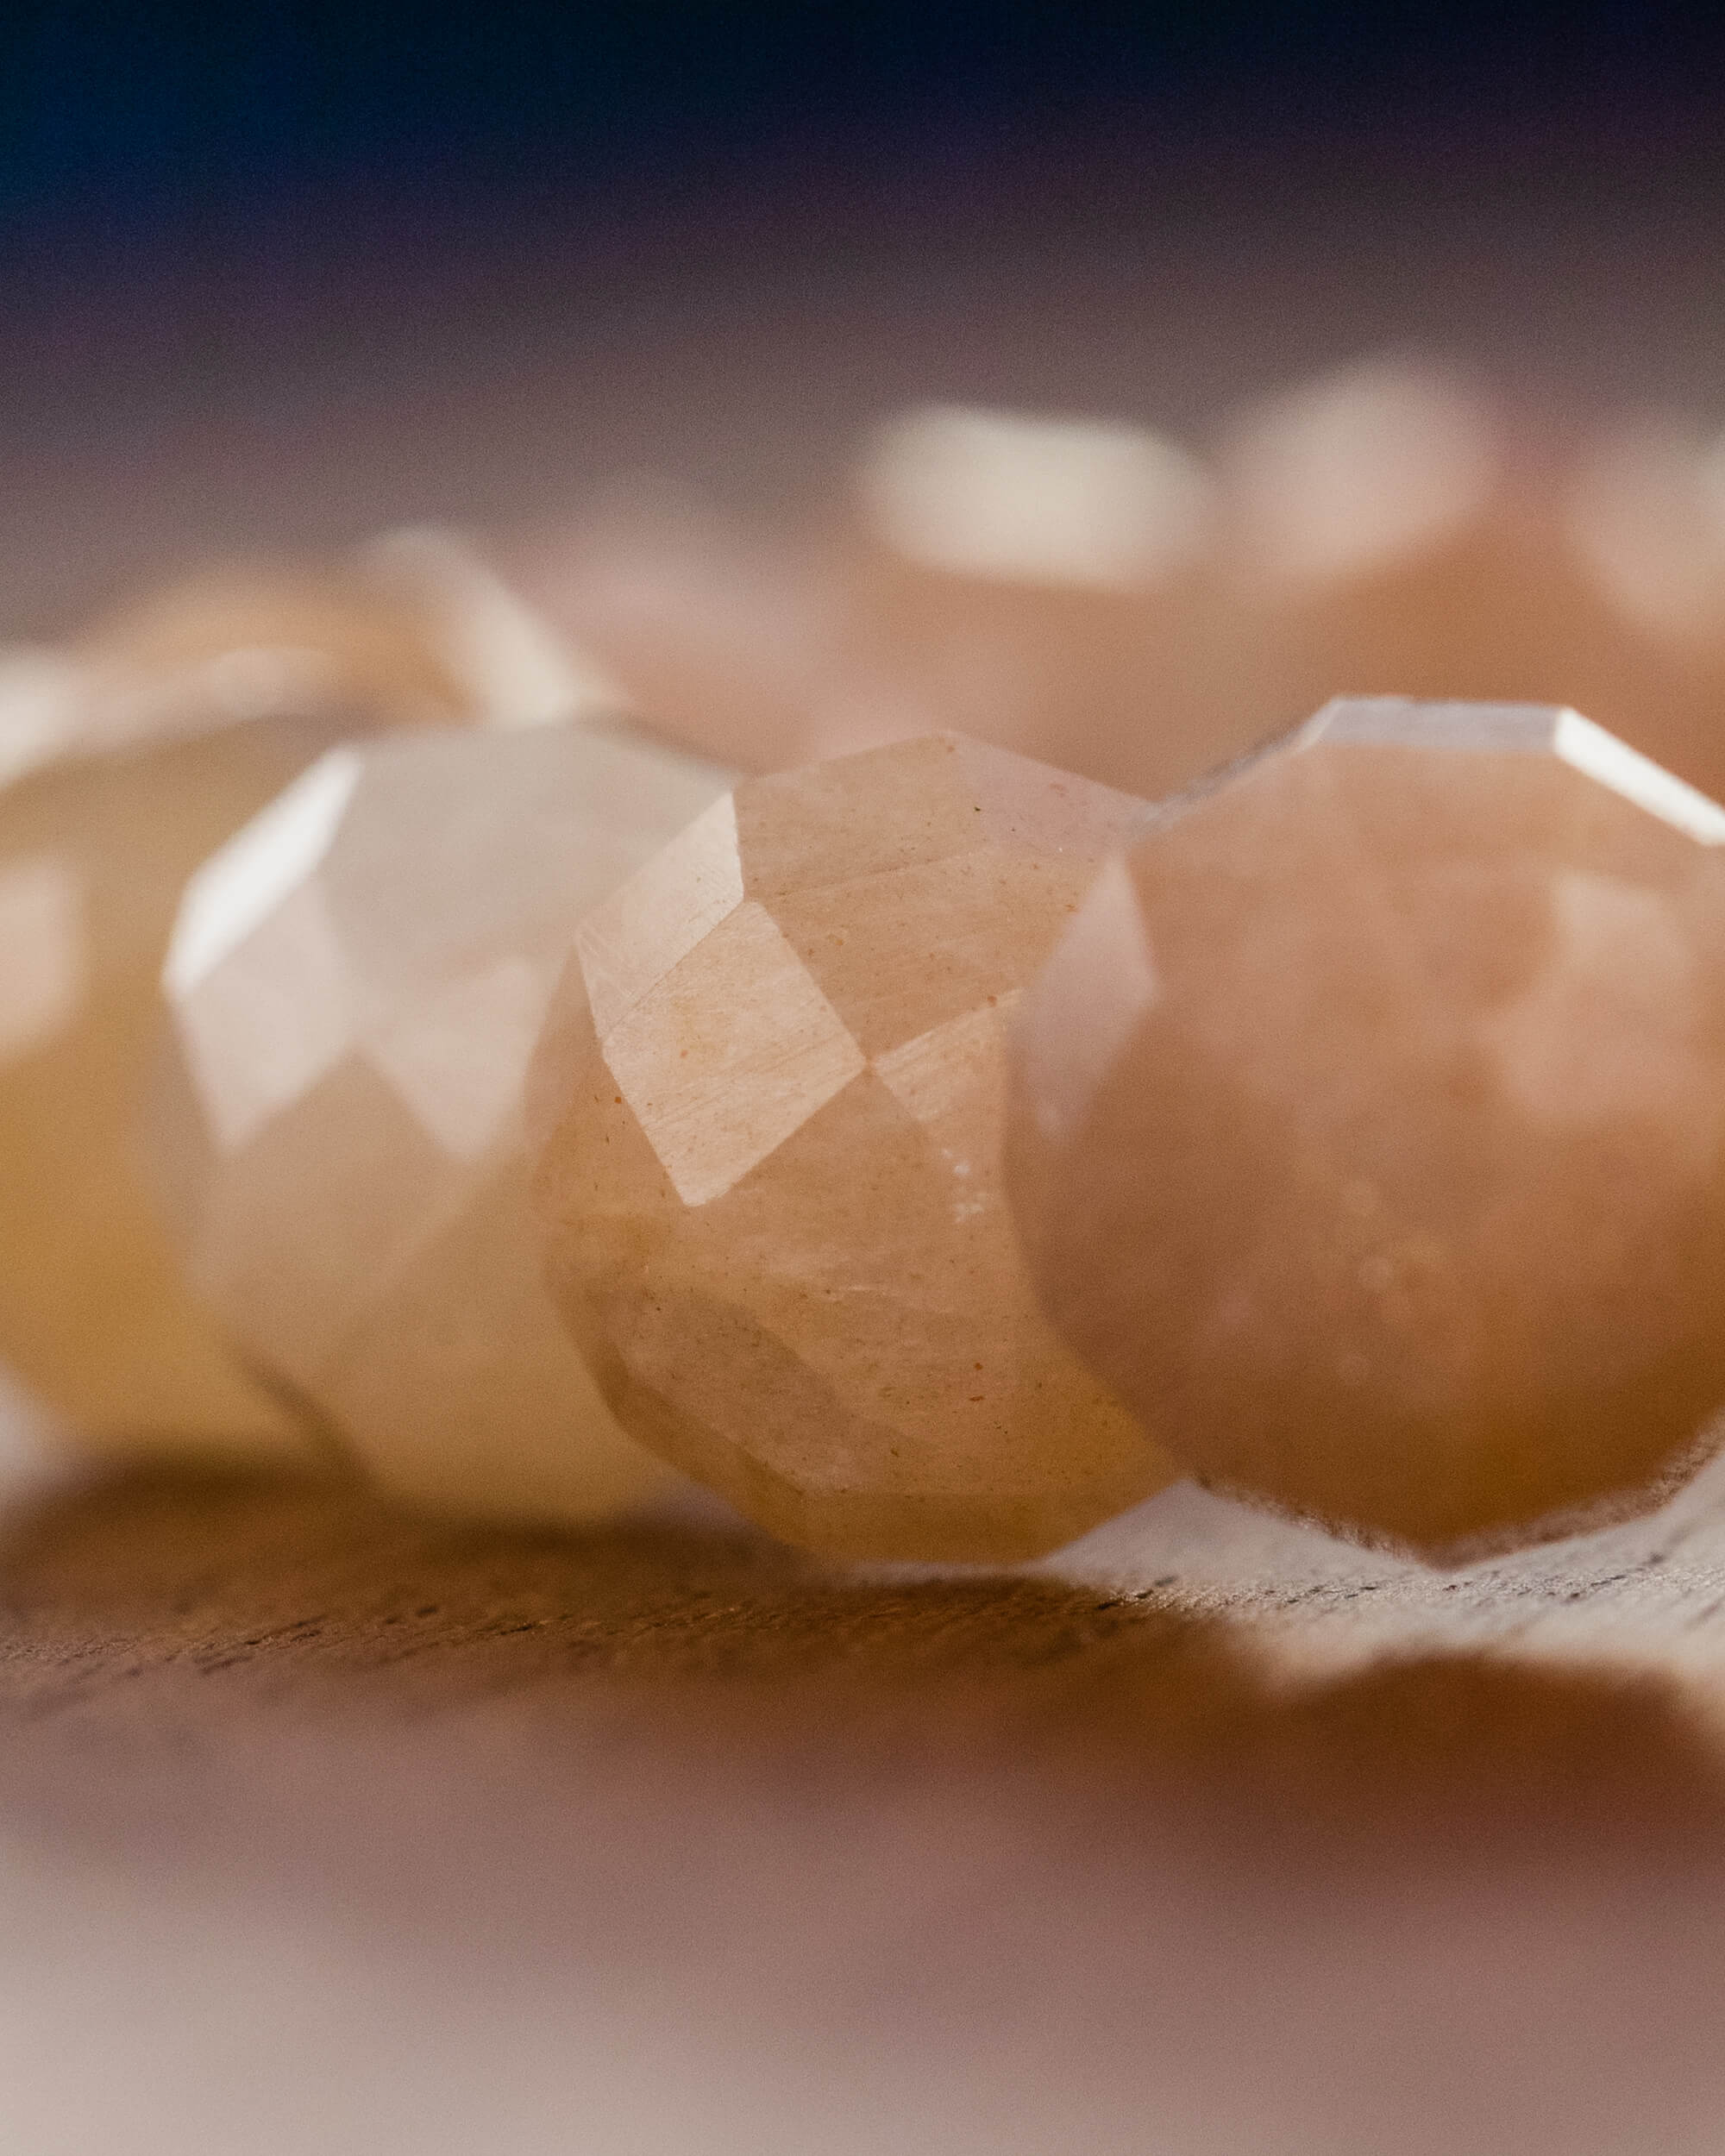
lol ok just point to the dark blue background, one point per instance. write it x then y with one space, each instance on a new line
163 108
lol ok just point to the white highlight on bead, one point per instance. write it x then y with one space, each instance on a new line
519 670
1589 750
631 940
239 887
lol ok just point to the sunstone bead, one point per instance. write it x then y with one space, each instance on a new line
769 1100
1048 584
125 758
1045 584
1387 528
1368 1125
356 982
94 850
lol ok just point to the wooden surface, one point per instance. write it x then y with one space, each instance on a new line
324 1828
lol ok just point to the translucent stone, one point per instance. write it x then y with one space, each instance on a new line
125 757
769 1098
1391 531
357 979
723 636
94 850
1368 1125
1048 584
1646 513
260 642
1043 584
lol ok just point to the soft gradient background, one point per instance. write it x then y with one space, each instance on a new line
276 276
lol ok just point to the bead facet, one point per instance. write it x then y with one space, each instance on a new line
1368 1125
357 981
769 1096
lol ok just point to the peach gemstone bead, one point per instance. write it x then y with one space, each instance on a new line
357 981
1368 1125
94 1318
1046 583
722 636
769 1098
246 643
1388 529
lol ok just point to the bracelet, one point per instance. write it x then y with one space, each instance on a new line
931 1152
1320 1076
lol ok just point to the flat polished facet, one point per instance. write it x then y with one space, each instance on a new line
769 1104
357 979
1368 1125
94 849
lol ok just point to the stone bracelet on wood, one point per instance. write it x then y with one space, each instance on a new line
935 1153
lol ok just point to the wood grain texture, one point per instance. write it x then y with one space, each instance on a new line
671 1839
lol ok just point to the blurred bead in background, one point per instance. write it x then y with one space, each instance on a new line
133 753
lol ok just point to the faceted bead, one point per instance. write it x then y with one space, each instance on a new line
123 762
1391 531
356 981
1047 584
94 850
1648 522
768 1101
722 636
247 642
1368 1125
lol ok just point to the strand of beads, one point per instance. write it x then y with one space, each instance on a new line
935 1151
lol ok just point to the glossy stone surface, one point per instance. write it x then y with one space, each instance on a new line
1368 1125
126 756
94 850
768 1102
357 981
